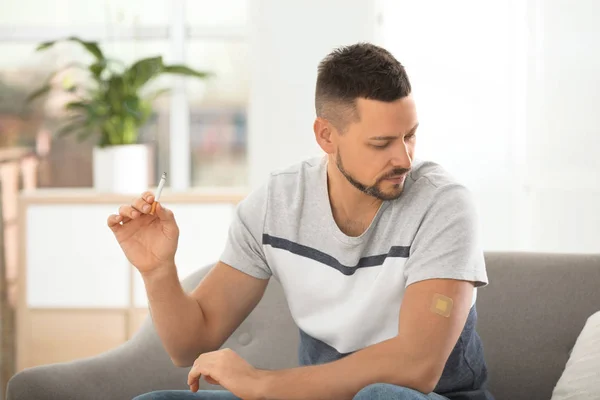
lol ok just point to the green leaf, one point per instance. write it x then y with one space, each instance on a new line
116 92
152 96
143 71
77 105
45 45
47 86
183 70
69 128
39 92
91 47
86 133
90 115
97 68
131 105
129 131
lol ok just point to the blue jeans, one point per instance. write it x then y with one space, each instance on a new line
378 391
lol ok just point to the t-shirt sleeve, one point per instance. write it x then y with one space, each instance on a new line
447 243
243 248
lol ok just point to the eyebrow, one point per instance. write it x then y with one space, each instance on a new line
392 137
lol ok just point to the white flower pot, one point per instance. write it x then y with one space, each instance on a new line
122 168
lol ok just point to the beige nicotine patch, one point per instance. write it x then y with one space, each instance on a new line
441 305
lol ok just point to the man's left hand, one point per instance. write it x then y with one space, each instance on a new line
226 368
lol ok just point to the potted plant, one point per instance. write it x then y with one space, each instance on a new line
109 104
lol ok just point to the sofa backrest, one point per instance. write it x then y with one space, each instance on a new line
530 316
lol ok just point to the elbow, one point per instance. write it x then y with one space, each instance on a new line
183 359
181 362
416 369
422 377
426 386
422 384
428 378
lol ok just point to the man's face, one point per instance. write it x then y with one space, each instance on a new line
376 153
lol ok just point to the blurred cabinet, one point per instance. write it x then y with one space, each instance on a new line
73 259
79 296
18 170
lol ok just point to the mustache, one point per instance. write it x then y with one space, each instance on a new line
395 173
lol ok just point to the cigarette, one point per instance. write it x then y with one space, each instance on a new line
161 184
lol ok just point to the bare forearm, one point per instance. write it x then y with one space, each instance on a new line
177 317
342 379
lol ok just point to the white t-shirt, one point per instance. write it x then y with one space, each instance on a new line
344 292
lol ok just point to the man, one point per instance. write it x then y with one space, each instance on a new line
378 254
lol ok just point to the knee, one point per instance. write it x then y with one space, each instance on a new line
145 396
375 391
156 395
386 391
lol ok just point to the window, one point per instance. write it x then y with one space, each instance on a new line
127 31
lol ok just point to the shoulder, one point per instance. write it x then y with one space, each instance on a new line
302 170
431 174
294 180
434 187
285 183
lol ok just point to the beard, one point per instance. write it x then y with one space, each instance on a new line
375 189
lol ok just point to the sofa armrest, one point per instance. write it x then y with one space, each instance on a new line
138 366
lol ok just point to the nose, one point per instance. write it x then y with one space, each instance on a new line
402 157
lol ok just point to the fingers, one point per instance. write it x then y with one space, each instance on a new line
127 211
139 206
207 366
194 374
114 222
164 214
193 380
143 203
201 366
148 197
210 380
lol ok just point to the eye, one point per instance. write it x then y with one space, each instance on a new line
380 146
410 137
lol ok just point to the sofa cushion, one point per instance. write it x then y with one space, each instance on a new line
581 377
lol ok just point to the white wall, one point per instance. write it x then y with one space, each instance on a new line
467 67
506 92
564 140
287 41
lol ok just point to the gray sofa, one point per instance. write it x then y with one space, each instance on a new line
529 318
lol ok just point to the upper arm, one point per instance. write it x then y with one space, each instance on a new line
430 324
445 259
227 296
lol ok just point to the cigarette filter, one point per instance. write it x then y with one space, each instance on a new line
161 184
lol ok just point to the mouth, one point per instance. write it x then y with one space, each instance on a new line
396 179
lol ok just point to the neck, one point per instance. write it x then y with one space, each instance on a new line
352 209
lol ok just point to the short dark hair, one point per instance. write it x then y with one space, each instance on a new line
360 70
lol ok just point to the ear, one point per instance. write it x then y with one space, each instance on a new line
324 133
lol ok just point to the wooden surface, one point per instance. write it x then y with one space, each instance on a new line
62 335
91 196
136 317
8 154
7 323
18 169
